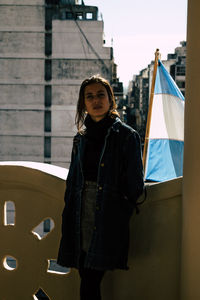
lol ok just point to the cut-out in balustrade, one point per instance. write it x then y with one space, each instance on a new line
53 267
10 263
9 213
43 228
41 295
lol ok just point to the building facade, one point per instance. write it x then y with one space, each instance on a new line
46 49
178 69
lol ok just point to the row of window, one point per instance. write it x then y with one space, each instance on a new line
79 16
181 84
180 70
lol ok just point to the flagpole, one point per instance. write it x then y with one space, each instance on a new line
150 109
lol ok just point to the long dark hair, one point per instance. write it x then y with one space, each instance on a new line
80 110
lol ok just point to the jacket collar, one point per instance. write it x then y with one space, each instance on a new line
116 124
115 127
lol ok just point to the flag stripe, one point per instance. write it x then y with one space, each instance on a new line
167 119
165 84
164 160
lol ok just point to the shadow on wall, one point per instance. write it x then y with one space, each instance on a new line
154 257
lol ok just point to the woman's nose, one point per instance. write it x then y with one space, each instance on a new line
96 99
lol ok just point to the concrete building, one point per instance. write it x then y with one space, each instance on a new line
46 49
138 97
178 69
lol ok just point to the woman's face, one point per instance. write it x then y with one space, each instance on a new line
97 102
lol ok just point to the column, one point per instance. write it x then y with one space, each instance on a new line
190 260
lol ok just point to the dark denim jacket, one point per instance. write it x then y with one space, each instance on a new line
119 184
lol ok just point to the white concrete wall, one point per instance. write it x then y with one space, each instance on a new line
22 44
69 42
21 71
61 148
22 17
22 95
22 80
63 95
22 2
11 146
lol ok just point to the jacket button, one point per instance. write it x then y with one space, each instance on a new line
102 165
100 188
95 228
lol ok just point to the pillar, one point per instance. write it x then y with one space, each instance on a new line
190 259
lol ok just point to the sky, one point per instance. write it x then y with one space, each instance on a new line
138 28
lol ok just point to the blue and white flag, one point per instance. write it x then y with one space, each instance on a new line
166 137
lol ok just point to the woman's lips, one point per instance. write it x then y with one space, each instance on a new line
97 107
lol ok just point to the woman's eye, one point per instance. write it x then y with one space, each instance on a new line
89 97
101 95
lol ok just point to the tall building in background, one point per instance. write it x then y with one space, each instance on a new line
177 70
46 49
139 88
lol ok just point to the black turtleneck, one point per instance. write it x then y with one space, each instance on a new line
95 137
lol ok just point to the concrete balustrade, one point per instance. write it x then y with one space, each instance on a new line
154 258
37 196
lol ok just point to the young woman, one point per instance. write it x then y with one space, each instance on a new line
104 181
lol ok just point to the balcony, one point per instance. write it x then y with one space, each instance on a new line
35 193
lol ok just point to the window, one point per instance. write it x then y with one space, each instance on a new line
69 15
48 71
47 147
47 121
48 43
48 95
89 16
79 16
181 84
180 70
